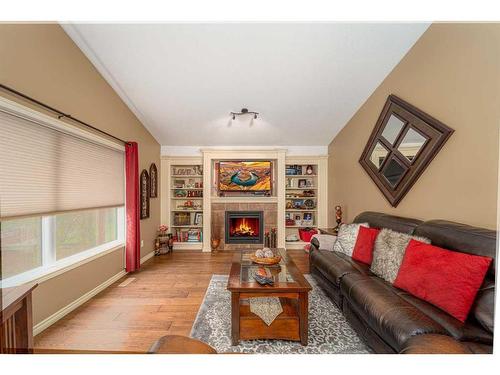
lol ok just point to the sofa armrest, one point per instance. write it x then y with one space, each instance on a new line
315 243
434 344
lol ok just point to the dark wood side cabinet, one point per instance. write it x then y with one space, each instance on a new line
16 328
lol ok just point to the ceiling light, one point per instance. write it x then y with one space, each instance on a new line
244 111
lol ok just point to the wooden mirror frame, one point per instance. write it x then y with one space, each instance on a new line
435 132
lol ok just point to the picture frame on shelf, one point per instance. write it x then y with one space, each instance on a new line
302 183
179 184
198 218
307 219
298 220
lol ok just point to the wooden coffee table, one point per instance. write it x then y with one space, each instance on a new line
290 287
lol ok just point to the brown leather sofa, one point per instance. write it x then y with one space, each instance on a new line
392 321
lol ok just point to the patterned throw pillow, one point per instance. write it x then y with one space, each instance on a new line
388 253
346 238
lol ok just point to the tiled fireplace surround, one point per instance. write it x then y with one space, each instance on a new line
218 216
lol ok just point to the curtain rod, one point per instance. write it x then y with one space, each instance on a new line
59 113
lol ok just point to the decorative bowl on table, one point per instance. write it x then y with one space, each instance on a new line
265 257
266 261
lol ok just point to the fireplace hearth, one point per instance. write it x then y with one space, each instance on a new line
244 227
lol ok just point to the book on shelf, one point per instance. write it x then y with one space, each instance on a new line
182 218
188 235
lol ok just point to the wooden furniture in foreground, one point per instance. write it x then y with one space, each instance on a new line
16 331
175 344
290 287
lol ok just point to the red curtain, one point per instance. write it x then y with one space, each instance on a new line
133 241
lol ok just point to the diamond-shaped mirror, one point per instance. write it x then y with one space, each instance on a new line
411 144
378 155
402 144
392 129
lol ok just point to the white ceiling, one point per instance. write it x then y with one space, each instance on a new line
306 80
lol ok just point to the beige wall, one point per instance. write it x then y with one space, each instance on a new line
43 62
453 74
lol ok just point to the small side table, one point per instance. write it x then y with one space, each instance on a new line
163 244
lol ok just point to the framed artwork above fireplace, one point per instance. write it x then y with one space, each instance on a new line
245 176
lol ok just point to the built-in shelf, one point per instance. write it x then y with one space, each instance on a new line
178 211
303 217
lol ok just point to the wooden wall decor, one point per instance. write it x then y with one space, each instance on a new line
153 181
144 194
402 144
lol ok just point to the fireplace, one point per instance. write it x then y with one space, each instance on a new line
244 227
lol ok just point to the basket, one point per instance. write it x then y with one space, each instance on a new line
266 261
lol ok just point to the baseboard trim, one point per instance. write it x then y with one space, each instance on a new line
46 323
147 257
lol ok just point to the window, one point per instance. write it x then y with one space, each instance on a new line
403 143
36 246
62 194
21 245
79 231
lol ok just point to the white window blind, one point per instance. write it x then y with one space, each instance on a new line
45 170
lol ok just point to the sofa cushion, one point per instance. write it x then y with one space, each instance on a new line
448 279
346 238
390 316
483 309
363 249
333 265
468 331
388 253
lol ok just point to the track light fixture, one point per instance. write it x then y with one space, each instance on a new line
244 111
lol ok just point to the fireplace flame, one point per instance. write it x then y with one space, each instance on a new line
244 228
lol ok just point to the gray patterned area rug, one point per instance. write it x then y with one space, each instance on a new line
329 331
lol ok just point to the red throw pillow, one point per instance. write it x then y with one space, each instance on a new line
363 249
447 279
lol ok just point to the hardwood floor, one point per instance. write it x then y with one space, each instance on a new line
163 299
